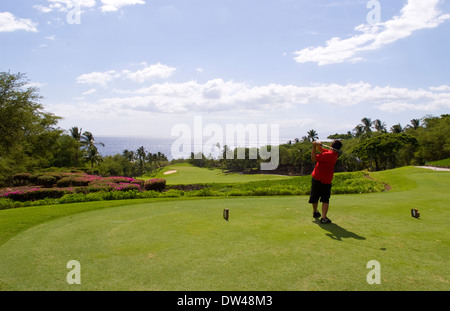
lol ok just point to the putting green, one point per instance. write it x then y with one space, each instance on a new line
269 243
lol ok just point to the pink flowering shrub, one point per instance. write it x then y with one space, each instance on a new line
56 185
77 180
127 187
34 194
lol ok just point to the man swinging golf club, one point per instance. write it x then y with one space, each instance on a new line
322 177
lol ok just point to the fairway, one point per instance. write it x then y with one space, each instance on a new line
269 243
189 174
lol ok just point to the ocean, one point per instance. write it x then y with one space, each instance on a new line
116 145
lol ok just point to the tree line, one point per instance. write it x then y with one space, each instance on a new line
30 140
378 148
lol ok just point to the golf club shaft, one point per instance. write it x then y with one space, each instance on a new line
341 152
331 148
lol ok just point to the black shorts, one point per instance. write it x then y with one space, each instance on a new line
319 191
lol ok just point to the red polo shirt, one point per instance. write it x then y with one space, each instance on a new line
324 169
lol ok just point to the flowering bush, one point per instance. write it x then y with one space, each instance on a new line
127 187
56 185
34 194
119 179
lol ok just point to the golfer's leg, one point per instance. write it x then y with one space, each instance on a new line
324 210
315 194
315 205
326 193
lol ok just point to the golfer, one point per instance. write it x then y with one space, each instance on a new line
322 177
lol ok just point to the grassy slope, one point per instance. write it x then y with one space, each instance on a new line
189 174
269 243
440 163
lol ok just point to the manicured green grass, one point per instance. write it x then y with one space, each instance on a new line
269 243
440 163
189 174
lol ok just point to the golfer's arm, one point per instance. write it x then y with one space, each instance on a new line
313 154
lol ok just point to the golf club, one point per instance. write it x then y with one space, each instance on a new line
341 152
331 148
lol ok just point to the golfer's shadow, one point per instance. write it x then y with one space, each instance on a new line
337 232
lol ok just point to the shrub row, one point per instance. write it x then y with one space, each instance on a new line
61 180
76 197
155 184
54 188
35 194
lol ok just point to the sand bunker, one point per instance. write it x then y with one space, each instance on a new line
170 172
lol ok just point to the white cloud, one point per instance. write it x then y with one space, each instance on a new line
9 23
65 5
440 88
292 107
101 78
157 71
114 5
298 123
150 72
36 84
220 96
43 9
89 92
400 107
214 95
414 16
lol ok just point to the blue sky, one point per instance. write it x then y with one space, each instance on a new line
139 67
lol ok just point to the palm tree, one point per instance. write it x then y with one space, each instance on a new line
415 123
76 134
141 153
379 126
312 135
367 126
89 144
93 156
88 141
359 131
129 155
396 129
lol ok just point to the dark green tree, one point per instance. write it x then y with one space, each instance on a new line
28 134
382 151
